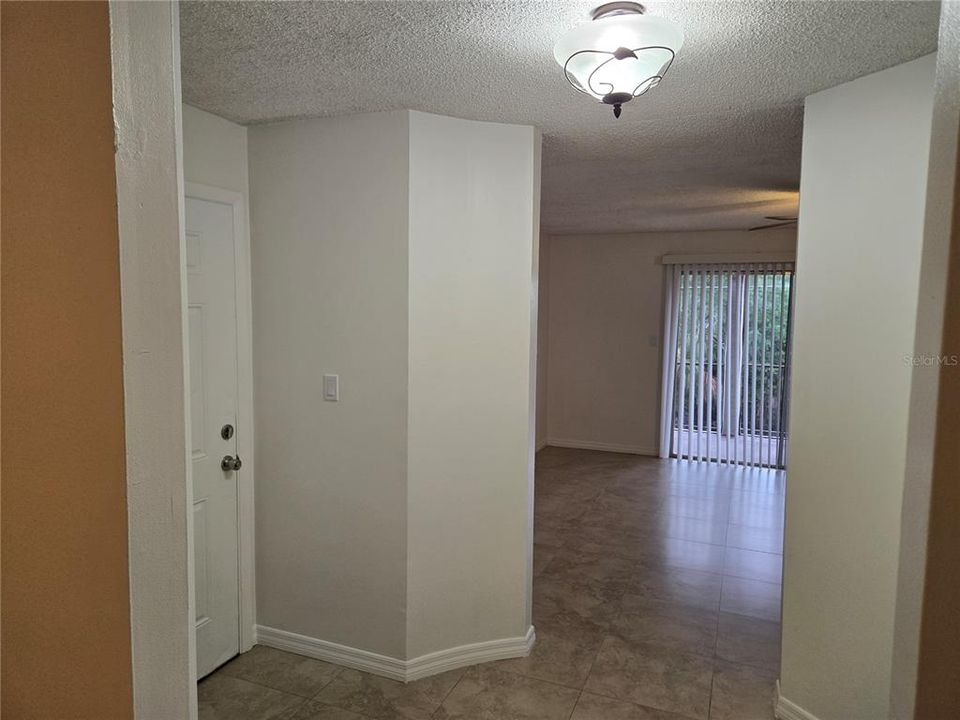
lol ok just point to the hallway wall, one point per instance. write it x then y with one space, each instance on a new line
926 664
65 601
863 182
215 152
329 215
603 319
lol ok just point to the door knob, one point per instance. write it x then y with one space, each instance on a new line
230 462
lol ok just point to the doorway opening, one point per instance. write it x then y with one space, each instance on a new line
727 363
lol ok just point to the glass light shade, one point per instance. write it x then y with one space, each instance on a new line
589 54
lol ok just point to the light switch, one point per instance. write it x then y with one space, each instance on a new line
331 388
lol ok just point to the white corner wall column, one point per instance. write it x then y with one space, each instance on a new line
146 96
862 204
474 231
397 250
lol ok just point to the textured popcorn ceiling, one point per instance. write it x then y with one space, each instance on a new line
716 145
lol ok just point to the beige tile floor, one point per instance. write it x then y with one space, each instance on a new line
656 597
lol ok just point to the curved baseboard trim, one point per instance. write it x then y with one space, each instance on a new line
394 668
787 710
456 657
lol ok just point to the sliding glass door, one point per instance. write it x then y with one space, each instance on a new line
726 363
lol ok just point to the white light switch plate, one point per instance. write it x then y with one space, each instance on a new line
331 388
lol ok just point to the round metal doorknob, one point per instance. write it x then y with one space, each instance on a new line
230 462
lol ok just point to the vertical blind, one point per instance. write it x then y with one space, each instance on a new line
726 363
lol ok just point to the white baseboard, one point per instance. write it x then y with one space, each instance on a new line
605 447
456 657
332 652
787 710
394 668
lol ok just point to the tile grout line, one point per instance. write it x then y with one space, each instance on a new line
716 647
535 678
641 705
303 699
329 682
593 664
713 679
450 691
263 685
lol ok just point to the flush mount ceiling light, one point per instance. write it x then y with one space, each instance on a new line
619 54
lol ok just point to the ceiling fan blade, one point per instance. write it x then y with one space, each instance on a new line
774 225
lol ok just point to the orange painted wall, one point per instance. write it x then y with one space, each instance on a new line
65 606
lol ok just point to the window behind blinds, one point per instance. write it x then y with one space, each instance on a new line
726 362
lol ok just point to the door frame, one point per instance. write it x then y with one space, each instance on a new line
246 589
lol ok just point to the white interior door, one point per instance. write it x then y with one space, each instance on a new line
213 409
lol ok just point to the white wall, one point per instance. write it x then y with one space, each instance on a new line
329 218
924 387
146 95
543 339
474 213
863 181
214 151
604 319
396 250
